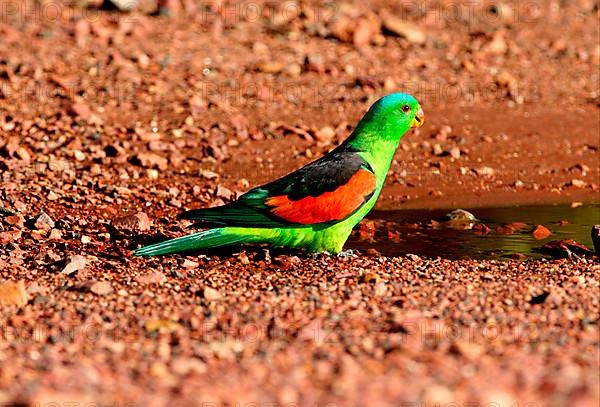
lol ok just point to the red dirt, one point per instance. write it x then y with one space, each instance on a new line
112 123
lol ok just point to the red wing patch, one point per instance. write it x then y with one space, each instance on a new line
329 206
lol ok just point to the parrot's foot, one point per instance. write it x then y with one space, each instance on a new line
572 255
347 254
343 254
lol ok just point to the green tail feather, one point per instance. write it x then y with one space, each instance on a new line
207 239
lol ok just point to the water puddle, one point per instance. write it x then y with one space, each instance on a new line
508 233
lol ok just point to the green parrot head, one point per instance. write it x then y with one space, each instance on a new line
400 110
388 120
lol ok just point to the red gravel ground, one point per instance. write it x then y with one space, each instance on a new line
113 122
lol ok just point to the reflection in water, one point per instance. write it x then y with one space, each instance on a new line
409 231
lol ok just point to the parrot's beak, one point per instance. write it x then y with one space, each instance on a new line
419 119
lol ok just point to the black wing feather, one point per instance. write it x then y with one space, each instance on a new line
323 175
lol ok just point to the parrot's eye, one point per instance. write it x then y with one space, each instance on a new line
405 108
